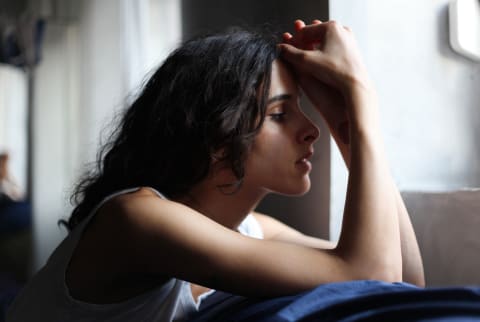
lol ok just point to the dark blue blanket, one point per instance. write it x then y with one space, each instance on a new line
349 302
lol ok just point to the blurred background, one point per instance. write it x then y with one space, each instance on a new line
67 66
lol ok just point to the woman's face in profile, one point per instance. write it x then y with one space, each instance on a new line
278 160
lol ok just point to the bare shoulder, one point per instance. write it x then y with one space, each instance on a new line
139 204
146 224
133 202
128 221
111 241
144 211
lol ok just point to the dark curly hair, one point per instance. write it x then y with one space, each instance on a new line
209 95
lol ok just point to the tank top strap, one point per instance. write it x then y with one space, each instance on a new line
115 194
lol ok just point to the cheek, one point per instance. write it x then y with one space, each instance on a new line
270 150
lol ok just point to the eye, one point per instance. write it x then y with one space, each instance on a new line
278 117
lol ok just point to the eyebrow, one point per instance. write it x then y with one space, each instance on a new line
277 98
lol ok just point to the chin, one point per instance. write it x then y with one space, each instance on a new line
297 190
303 191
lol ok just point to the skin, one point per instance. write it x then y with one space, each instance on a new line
194 238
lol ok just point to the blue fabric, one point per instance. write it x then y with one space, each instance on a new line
349 302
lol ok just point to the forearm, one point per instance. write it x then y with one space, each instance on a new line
370 232
412 267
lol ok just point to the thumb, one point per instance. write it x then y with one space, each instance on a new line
304 60
290 52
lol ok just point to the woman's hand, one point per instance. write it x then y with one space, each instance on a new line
330 71
327 51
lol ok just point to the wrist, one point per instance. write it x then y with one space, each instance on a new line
355 85
362 108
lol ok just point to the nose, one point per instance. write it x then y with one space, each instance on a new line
309 132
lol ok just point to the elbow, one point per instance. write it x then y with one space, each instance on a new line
385 268
389 269
418 279
419 283
389 273
395 273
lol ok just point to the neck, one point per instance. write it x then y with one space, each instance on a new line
226 209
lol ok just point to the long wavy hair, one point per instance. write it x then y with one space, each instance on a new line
209 95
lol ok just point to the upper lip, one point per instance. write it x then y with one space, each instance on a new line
306 156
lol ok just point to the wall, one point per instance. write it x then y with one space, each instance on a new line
53 145
77 85
308 213
13 120
429 98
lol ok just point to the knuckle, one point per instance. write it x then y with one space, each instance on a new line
302 56
334 24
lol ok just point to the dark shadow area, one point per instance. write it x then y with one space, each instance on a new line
204 16
15 250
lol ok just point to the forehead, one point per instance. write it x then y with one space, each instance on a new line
282 80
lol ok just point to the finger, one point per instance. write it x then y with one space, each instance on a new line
287 37
299 25
313 33
316 22
289 52
301 59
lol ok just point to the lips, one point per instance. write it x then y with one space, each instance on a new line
305 157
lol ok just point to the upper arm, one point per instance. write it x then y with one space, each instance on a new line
276 230
161 237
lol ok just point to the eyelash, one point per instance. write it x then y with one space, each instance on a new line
278 117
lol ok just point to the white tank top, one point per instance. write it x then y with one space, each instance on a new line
46 296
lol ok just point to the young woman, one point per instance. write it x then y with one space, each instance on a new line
170 213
